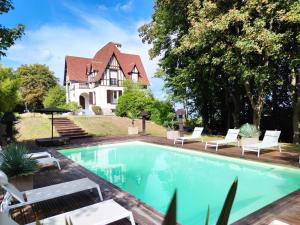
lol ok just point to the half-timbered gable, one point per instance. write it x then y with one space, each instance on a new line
99 80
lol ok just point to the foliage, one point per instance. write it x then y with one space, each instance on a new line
133 100
8 90
73 106
133 114
220 57
97 110
170 121
35 82
170 218
249 130
159 111
55 98
15 162
8 36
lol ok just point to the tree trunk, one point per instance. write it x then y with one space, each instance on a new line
296 106
236 110
257 103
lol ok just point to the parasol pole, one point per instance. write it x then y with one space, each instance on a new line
52 125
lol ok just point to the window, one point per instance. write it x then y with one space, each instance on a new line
113 77
113 96
135 76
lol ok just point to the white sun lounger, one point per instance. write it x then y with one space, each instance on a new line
270 141
48 161
36 155
195 135
231 137
44 193
101 213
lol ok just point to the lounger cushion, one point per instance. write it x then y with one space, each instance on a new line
3 178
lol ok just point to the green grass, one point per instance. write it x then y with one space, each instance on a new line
114 126
32 126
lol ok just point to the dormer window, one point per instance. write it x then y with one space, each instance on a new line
135 74
91 76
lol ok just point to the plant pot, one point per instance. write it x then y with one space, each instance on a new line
133 131
172 134
249 141
23 183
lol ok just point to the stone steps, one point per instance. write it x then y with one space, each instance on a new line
66 128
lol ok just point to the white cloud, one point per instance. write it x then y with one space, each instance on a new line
127 7
49 44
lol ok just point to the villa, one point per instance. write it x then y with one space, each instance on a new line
99 80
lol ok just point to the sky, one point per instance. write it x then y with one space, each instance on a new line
56 28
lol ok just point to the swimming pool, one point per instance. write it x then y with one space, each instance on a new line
152 173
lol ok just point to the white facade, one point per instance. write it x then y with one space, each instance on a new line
104 92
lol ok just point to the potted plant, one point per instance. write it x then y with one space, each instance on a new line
17 166
170 124
133 115
249 134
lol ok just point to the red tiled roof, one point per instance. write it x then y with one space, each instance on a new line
76 67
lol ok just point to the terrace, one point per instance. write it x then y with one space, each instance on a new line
285 209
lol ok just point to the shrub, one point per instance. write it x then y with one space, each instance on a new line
249 130
137 100
73 106
170 122
159 111
15 162
133 115
97 110
55 97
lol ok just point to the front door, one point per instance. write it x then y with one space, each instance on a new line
82 102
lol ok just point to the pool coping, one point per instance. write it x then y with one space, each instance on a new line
260 216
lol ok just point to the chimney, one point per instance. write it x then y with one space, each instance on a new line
118 45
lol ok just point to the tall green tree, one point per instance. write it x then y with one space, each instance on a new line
8 36
224 55
9 94
56 97
35 82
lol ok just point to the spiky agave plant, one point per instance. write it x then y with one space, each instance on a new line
14 161
249 130
170 218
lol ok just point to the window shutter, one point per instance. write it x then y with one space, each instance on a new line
94 98
91 98
108 96
120 93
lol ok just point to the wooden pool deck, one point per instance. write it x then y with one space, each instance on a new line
286 209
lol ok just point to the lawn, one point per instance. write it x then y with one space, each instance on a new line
34 125
113 125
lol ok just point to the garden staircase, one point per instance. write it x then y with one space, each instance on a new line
66 128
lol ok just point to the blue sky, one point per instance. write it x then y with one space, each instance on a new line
56 28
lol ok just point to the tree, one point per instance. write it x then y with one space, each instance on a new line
8 36
224 56
56 97
9 95
35 81
133 101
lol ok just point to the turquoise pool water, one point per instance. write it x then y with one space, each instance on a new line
152 173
